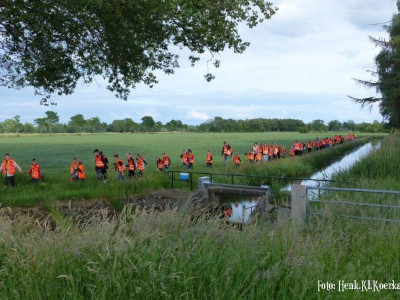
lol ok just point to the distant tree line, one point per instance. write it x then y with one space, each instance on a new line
219 124
50 123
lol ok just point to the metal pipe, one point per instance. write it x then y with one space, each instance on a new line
358 218
354 190
259 176
355 203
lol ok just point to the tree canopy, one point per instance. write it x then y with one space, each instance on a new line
50 45
387 74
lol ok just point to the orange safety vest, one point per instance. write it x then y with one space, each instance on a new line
98 161
35 171
166 161
276 150
236 159
309 145
270 151
291 152
81 172
160 164
225 149
120 165
140 164
8 167
209 159
265 150
131 165
191 158
228 213
227 152
250 156
185 158
283 150
259 156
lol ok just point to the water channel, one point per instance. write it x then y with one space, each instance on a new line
239 209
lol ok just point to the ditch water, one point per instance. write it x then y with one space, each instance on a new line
239 208
343 164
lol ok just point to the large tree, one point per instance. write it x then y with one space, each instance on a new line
41 122
51 45
95 123
77 121
148 123
387 74
52 118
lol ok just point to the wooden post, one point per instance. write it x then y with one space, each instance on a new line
299 205
243 213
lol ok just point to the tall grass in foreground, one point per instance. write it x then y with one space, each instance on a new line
168 256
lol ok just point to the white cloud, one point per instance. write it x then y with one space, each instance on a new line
202 116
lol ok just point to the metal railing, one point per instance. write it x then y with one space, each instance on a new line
244 212
232 176
350 203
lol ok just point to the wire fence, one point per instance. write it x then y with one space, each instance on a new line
190 178
359 204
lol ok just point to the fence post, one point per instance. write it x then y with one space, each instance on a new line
299 205
319 191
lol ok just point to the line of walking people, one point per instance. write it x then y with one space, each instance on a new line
77 170
262 152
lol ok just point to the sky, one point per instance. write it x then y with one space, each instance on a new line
300 65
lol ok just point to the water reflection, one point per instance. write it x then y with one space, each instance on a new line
239 209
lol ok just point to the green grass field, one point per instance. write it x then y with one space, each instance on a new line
168 255
55 153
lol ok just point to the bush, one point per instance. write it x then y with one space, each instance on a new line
303 129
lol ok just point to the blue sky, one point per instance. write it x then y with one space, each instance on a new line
300 64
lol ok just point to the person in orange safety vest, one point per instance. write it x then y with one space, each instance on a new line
73 169
237 160
119 168
209 159
228 212
185 161
34 172
250 156
81 172
140 164
226 153
160 164
190 159
130 165
258 157
101 165
8 168
283 152
292 151
166 162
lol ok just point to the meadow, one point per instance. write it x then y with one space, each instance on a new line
168 255
55 153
